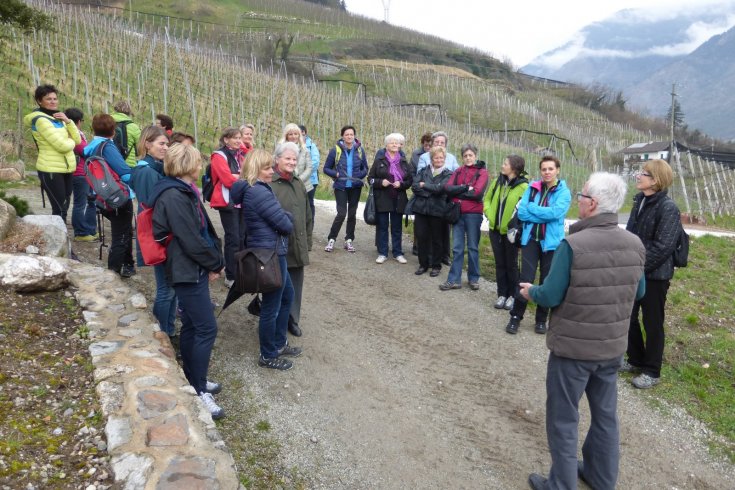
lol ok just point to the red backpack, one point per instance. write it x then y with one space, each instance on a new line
110 192
153 251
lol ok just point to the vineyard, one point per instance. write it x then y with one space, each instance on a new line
207 77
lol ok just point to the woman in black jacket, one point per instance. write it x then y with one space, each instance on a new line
390 176
193 260
429 208
655 219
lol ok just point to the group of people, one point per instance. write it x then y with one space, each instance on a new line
266 200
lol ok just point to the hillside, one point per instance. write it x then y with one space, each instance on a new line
97 58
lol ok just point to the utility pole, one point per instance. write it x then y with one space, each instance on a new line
672 120
386 10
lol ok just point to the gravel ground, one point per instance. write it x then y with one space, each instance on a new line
404 386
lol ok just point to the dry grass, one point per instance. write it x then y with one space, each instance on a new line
21 236
444 70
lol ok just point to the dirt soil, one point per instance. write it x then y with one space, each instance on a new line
404 386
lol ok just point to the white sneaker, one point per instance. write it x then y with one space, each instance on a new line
330 245
401 259
349 246
213 387
214 410
381 259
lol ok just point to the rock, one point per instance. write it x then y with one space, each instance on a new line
111 396
54 233
103 348
126 320
152 403
29 274
133 469
147 381
174 431
138 301
190 473
32 250
57 431
7 218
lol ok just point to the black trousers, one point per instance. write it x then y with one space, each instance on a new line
347 201
429 235
58 188
234 226
121 241
532 257
506 264
649 355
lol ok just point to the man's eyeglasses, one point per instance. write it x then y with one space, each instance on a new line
580 196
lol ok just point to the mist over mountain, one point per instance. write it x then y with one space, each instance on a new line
644 51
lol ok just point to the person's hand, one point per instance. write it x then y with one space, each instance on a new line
421 184
470 189
397 184
338 175
213 276
62 117
525 286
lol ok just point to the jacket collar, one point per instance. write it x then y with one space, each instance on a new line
601 220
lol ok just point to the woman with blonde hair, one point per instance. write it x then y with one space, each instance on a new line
292 134
656 221
193 260
269 227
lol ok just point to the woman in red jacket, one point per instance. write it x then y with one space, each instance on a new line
225 166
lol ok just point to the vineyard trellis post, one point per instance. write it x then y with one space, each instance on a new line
696 186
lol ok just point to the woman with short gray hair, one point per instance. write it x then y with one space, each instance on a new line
390 176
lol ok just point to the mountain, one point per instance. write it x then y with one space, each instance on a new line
643 51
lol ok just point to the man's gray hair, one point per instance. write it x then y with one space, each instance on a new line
608 190
439 133
283 147
397 137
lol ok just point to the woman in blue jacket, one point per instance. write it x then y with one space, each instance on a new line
268 227
347 165
542 210
120 256
152 148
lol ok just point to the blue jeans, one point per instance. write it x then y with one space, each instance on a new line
566 381
396 233
274 310
198 330
84 212
469 226
164 306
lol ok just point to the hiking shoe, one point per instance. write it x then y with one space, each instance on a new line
540 328
627 367
275 363
214 410
475 286
435 271
513 324
449 285
500 303
85 238
213 388
229 283
420 271
127 271
330 245
401 259
349 247
643 381
381 259
290 351
509 303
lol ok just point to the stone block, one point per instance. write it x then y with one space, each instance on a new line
132 470
118 432
190 472
174 431
32 273
152 403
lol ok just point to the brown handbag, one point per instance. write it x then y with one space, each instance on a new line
257 270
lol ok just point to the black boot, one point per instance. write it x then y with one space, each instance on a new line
293 327
513 325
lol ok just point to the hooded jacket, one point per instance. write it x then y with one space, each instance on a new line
462 179
143 178
334 166
56 141
195 248
268 224
501 199
133 131
656 221
291 194
552 216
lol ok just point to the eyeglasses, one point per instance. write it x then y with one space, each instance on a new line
644 174
580 196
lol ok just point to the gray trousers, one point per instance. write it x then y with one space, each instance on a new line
297 279
566 381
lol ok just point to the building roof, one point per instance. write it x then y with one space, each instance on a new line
650 147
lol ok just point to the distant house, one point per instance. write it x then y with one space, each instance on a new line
640 152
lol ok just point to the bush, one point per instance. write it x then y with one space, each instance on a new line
20 205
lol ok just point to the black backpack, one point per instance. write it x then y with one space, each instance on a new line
121 138
681 252
207 186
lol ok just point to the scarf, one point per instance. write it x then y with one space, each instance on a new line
285 176
395 166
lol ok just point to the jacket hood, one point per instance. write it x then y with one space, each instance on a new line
355 145
560 184
28 118
237 191
91 147
165 184
119 116
149 161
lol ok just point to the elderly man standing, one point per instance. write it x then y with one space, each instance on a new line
596 274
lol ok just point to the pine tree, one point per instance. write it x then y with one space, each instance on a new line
678 115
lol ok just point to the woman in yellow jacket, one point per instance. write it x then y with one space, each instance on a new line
56 136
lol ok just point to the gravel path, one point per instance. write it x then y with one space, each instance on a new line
404 386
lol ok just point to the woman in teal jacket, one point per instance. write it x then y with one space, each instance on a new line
499 206
542 210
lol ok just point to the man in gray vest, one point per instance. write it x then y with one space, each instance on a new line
596 274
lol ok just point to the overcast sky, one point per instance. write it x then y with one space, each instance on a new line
515 29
